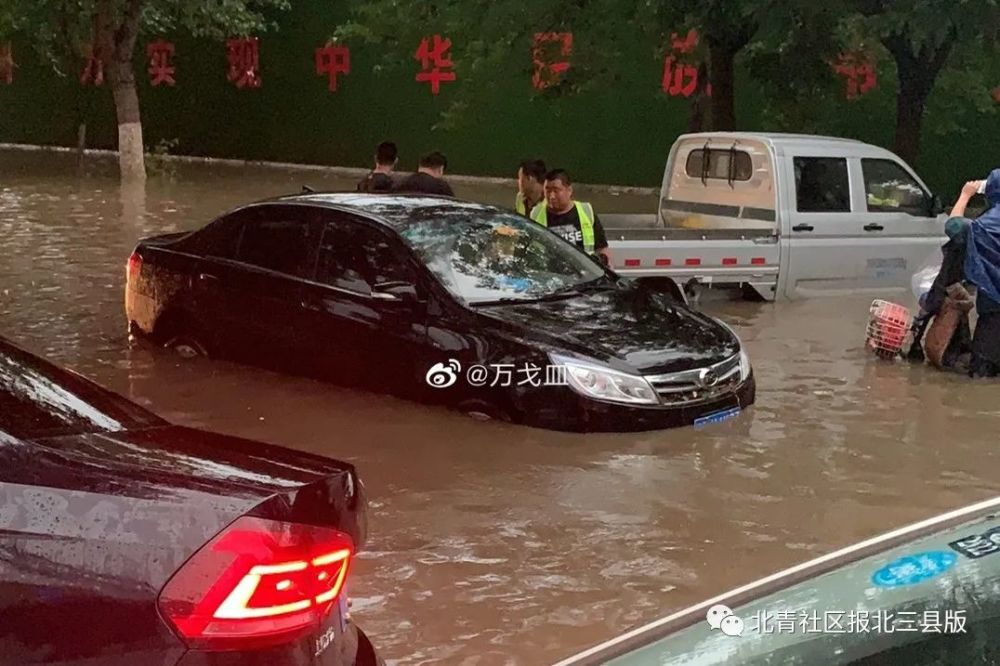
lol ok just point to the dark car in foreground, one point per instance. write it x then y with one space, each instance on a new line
439 300
924 595
126 540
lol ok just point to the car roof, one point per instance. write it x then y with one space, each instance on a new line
394 210
801 143
776 138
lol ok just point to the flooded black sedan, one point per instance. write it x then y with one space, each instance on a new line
125 539
442 301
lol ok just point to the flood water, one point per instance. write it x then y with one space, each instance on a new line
499 544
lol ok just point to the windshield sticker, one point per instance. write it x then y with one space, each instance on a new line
913 569
978 545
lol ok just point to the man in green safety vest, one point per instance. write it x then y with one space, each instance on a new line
530 186
573 220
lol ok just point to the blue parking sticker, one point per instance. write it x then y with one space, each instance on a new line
913 569
975 546
717 417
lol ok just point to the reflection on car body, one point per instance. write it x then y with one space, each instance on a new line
925 594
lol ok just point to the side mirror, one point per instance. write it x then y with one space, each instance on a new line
401 292
935 206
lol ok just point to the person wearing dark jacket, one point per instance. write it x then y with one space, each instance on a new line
429 179
982 268
379 179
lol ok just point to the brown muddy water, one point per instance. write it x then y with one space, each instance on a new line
498 544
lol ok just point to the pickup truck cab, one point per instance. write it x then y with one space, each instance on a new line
783 216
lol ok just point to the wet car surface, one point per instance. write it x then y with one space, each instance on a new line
499 544
163 544
399 293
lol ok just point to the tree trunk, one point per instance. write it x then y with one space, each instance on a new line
723 99
917 73
116 46
911 102
131 158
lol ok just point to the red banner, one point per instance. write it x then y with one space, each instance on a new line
859 73
243 54
433 60
550 54
7 63
332 60
161 71
680 71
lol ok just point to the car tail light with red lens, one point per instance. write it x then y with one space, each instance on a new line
134 266
259 582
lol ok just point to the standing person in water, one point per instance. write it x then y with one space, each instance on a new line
982 268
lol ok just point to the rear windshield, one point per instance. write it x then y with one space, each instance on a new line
39 400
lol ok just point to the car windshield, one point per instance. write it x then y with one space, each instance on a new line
482 255
932 600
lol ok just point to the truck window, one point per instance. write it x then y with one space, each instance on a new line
822 185
723 164
889 188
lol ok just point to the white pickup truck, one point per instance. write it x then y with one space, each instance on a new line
782 216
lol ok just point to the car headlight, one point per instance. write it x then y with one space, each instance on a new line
602 383
745 367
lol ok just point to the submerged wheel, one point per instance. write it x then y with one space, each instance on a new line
481 410
186 346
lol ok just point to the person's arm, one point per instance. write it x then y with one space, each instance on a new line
601 242
969 190
446 188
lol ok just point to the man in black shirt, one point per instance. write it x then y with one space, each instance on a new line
379 179
429 179
573 220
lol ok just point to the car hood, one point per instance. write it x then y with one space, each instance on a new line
628 327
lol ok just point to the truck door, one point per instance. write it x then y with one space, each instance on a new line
825 250
901 221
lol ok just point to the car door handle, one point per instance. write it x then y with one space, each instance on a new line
803 227
312 306
874 226
204 277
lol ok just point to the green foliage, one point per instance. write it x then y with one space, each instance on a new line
61 29
157 159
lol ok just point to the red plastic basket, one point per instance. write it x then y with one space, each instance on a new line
888 326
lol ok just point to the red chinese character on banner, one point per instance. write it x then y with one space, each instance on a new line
686 44
680 77
160 70
7 63
548 72
93 70
333 60
428 54
859 72
243 54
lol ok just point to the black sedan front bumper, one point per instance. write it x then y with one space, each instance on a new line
561 408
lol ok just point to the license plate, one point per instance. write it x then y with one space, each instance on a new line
717 417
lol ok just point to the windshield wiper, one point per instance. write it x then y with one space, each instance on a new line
599 284
508 300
